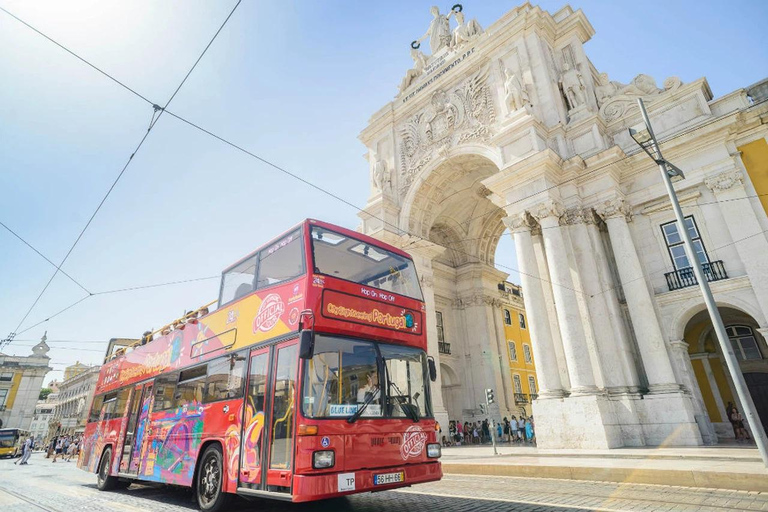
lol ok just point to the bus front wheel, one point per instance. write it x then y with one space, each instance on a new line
210 481
106 482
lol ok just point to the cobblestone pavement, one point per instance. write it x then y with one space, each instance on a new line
61 487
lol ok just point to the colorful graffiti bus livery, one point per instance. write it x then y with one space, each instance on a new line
309 381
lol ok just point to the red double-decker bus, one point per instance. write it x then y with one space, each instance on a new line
309 381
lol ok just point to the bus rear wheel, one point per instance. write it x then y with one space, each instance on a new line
210 481
106 482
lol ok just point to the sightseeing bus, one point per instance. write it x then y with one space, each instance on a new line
12 441
310 380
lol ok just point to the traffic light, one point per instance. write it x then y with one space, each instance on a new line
489 396
482 408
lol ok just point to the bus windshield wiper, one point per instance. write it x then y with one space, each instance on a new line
361 408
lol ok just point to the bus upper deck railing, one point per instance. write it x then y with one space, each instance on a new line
149 336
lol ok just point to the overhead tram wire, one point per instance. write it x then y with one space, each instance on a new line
44 257
157 110
305 181
118 290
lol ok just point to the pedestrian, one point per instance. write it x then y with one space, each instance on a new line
499 431
486 432
475 434
71 449
529 429
467 433
513 429
521 428
26 451
506 430
59 448
738 425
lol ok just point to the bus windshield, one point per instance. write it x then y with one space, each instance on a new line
344 374
8 438
348 258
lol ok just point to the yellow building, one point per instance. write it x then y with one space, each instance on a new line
519 350
21 379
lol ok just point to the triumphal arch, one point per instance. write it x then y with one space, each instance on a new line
510 130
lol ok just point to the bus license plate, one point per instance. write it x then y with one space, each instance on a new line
389 478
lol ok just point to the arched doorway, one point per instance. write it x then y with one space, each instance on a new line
716 388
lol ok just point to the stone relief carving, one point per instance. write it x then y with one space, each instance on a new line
465 32
616 99
453 117
419 63
616 207
478 299
520 222
427 281
573 87
576 215
724 180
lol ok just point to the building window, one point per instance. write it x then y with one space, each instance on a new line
532 385
518 384
507 317
3 396
743 342
527 353
522 320
439 322
512 350
6 377
676 247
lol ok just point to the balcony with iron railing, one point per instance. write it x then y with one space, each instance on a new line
684 277
521 398
444 348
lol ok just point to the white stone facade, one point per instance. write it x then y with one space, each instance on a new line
21 379
41 421
75 396
516 129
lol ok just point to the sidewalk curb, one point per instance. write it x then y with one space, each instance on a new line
683 478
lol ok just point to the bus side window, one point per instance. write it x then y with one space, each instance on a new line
109 405
165 386
225 378
190 387
96 408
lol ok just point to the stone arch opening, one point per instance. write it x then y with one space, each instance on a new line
455 213
715 385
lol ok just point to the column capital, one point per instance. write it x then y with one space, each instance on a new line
614 208
725 180
547 210
519 222
679 345
578 215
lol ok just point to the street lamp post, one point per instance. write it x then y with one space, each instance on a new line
647 141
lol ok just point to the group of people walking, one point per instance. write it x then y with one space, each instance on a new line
518 431
65 447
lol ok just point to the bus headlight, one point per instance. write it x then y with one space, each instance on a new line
434 451
324 459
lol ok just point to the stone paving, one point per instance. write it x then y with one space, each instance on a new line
60 487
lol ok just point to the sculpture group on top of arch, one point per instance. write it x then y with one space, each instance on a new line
440 37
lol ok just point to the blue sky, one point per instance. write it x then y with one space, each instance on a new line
292 81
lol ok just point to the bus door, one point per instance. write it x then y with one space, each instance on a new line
282 417
268 428
138 415
254 412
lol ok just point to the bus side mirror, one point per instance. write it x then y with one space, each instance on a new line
432 369
306 344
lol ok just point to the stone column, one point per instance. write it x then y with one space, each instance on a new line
423 257
608 291
569 317
741 219
606 338
685 375
658 367
535 309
